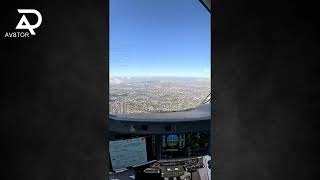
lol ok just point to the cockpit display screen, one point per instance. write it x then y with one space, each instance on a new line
128 152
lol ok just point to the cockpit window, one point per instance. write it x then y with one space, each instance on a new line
159 55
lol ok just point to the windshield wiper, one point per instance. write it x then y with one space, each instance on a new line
207 99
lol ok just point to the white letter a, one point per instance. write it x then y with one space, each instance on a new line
26 26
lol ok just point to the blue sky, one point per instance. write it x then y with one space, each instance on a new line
159 38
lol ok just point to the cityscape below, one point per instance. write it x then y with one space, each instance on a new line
156 94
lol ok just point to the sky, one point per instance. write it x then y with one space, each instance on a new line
159 38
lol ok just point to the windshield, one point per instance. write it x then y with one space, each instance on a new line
159 55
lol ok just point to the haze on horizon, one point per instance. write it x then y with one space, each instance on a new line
129 79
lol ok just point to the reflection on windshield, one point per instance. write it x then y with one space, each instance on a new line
155 94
